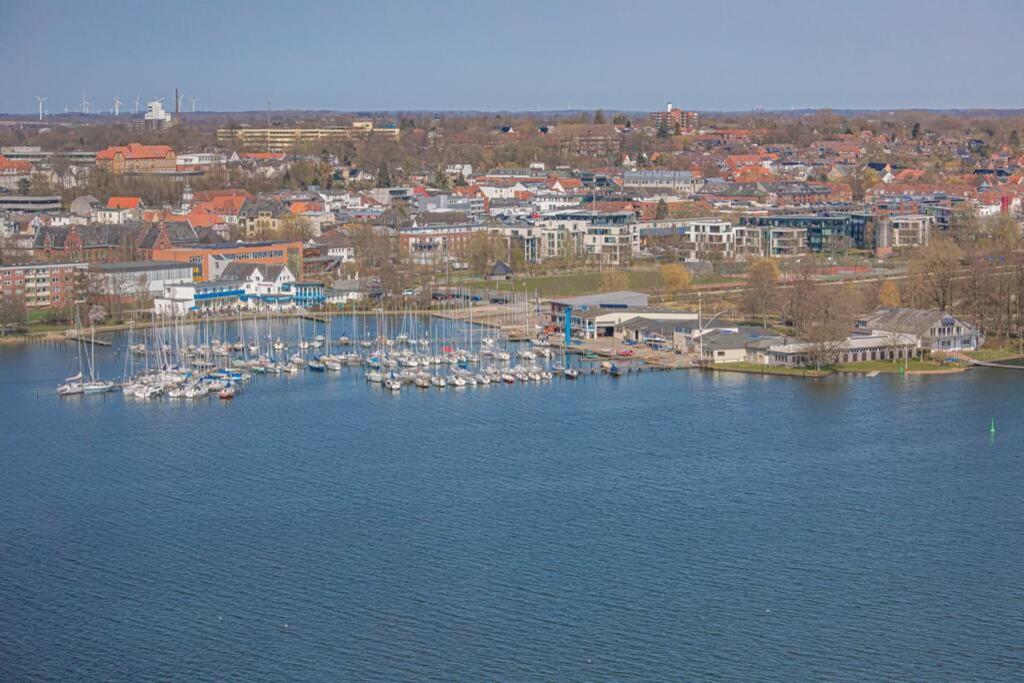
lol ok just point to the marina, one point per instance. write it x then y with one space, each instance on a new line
222 358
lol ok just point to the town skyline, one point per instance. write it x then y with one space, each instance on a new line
744 57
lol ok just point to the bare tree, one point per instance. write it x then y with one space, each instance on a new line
936 266
759 296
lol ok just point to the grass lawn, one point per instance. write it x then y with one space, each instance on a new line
755 368
913 365
994 354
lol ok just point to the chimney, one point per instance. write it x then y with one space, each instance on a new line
177 103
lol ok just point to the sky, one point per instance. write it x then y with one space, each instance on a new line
392 55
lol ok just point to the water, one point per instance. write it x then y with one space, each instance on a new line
667 526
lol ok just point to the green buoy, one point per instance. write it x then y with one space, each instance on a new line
992 427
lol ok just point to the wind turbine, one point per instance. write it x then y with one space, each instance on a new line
117 105
194 100
41 100
178 104
136 104
85 104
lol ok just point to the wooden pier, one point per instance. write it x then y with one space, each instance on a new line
71 335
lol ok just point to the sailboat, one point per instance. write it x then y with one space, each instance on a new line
72 386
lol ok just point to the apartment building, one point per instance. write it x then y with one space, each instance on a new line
41 285
284 139
683 182
902 232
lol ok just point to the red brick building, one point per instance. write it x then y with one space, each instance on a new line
137 158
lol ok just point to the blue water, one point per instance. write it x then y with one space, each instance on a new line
667 526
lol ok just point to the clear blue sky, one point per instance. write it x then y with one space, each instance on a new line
522 55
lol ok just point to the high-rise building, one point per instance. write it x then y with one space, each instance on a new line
672 118
155 118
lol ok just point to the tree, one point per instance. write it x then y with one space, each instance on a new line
759 296
675 278
826 328
614 280
889 294
384 178
13 312
1014 139
599 116
915 132
935 268
482 250
295 229
24 186
661 213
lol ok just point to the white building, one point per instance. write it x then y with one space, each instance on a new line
133 278
900 232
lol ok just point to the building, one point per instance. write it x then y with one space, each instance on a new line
683 182
607 301
262 283
499 271
134 278
94 242
13 172
219 296
673 118
283 139
903 232
42 285
261 216
208 261
720 240
438 237
855 349
609 237
29 204
135 158
155 118
930 330
306 293
120 210
826 232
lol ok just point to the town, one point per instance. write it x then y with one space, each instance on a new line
789 243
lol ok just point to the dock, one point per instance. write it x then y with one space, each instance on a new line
71 335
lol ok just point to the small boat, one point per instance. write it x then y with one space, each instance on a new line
393 385
227 393
438 381
457 381
374 376
315 366
278 345
571 373
422 381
